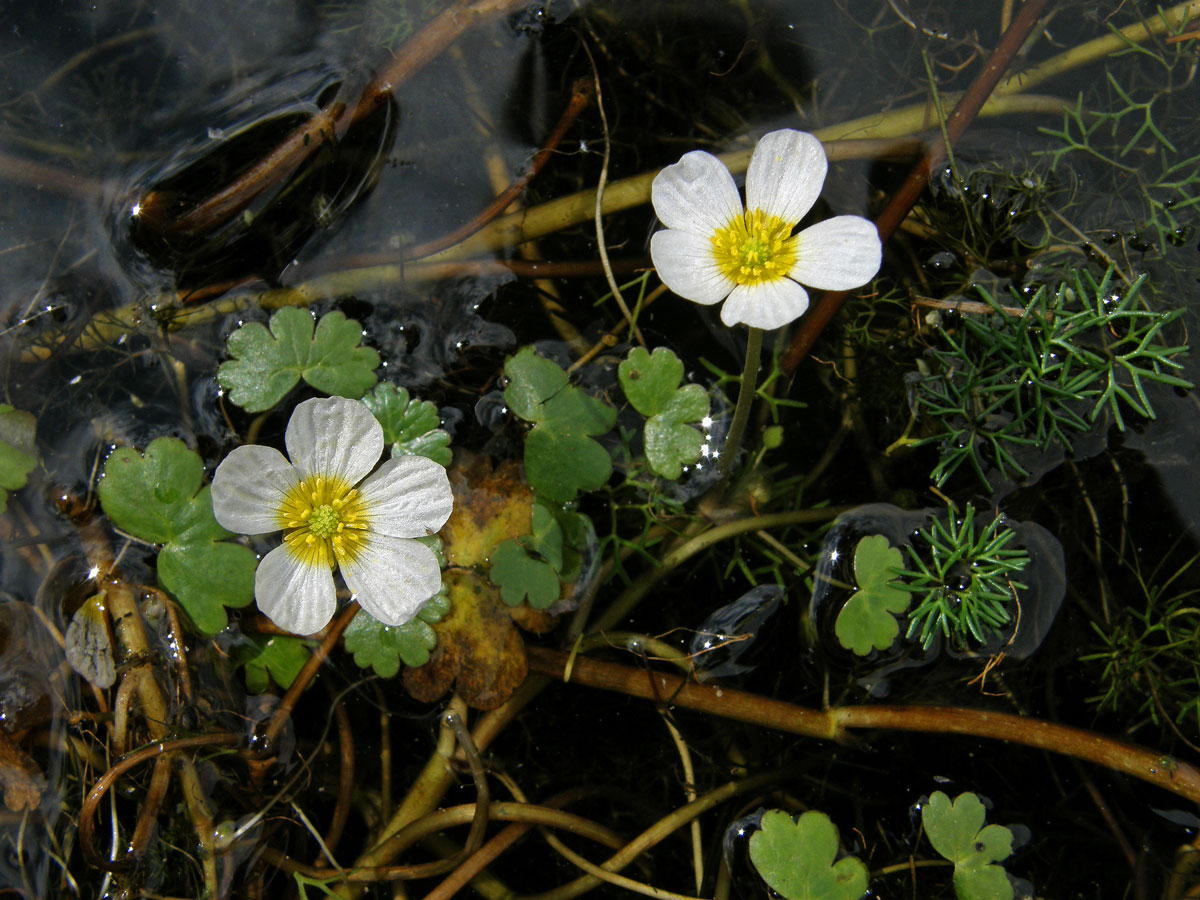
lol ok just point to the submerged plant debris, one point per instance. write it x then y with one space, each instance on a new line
897 597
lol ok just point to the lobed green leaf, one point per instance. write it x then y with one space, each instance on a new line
279 658
957 832
651 383
18 451
157 498
866 621
411 427
797 858
383 647
561 458
267 364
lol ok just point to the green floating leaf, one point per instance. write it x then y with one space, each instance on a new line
579 538
384 647
651 383
797 858
268 364
957 832
411 427
561 458
866 621
158 498
520 576
280 658
18 452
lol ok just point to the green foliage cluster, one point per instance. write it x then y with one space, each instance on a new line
1147 656
278 658
796 857
267 364
383 647
529 567
651 383
411 427
562 456
157 498
1155 192
1036 378
963 579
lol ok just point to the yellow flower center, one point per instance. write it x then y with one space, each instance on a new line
323 520
755 247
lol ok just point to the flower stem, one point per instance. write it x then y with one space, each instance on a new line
741 412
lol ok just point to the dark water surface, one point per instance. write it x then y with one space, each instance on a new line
120 121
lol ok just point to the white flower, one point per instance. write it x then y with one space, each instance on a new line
714 249
331 509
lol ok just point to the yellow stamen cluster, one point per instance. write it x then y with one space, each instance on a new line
323 520
755 247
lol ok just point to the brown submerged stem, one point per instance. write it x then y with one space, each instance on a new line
902 201
1151 766
284 711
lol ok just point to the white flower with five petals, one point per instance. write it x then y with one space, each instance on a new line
333 510
715 249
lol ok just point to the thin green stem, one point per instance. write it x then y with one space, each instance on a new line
741 413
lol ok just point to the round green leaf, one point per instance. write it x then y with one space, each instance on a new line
411 427
18 452
797 858
383 647
957 832
520 576
267 364
155 497
867 621
649 380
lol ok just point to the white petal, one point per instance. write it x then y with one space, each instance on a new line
838 254
295 596
248 489
686 264
333 436
785 175
391 577
696 194
771 304
408 497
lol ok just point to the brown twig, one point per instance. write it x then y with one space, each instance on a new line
833 724
918 178
284 711
341 811
493 849
147 821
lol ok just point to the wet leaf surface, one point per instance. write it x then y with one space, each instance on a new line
651 382
957 832
383 647
267 364
797 858
410 426
561 458
157 498
18 453
866 621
